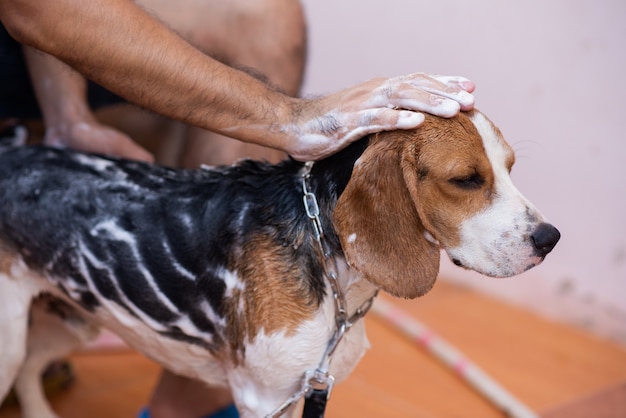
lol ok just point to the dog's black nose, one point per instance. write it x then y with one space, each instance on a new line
545 238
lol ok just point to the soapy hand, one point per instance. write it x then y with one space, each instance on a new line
374 106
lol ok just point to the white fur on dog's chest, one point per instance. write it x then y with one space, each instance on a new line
284 362
277 362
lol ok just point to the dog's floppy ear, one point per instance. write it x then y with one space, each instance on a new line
378 224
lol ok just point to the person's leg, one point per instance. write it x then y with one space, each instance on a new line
176 396
268 36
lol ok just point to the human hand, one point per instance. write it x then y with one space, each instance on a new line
330 123
70 122
92 136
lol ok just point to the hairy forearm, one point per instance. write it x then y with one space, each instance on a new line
120 46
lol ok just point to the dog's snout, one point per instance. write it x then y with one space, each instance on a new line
545 238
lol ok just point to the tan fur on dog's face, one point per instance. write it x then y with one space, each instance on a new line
450 175
444 185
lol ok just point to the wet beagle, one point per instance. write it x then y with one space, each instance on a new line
224 274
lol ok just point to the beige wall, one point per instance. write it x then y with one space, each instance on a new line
552 75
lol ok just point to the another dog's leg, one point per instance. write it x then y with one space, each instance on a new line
56 329
29 389
15 297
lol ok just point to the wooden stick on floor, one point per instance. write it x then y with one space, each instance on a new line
453 358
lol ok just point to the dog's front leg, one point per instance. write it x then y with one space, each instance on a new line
55 331
15 297
30 392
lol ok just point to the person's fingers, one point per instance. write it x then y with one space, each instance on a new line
314 144
441 96
105 140
96 138
371 121
457 81
452 87
127 148
444 83
425 101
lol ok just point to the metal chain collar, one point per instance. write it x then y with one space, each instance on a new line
320 378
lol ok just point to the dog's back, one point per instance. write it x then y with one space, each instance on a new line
148 239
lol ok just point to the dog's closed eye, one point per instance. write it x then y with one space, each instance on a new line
471 182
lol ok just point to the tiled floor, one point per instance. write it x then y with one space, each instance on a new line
557 371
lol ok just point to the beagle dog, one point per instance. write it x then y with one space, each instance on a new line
250 276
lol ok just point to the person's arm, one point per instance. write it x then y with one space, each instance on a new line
120 46
62 96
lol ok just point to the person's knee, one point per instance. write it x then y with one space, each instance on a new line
287 19
278 43
283 17
271 29
268 36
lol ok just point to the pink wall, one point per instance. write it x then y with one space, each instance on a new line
552 75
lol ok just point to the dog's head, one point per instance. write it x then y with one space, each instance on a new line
445 185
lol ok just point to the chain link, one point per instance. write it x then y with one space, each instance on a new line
320 378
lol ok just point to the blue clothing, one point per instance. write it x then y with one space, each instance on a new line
228 412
